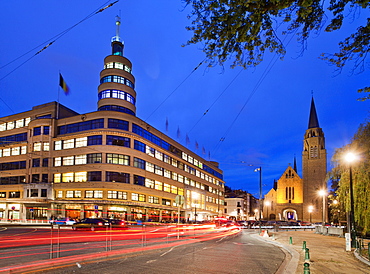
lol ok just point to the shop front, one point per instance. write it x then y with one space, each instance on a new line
14 211
93 211
36 212
117 212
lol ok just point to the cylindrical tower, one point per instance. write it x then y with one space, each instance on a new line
117 85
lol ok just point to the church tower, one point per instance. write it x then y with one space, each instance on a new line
314 168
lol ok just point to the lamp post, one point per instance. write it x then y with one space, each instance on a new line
323 194
260 201
350 157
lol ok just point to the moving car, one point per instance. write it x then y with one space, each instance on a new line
99 223
91 223
62 221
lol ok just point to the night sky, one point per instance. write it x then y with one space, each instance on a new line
253 117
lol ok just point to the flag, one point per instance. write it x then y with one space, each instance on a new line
178 133
196 145
63 84
166 124
187 139
203 150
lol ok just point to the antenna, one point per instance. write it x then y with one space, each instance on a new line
118 24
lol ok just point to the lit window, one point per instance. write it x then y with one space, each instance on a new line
150 151
27 121
158 185
57 178
149 183
37 146
159 155
89 194
135 197
149 167
67 177
6 152
58 145
80 159
46 146
98 193
68 144
68 161
166 187
10 125
19 123
69 194
167 173
81 176
59 194
16 150
78 194
3 127
58 161
81 142
180 191
174 189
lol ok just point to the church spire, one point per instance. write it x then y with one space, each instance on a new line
313 121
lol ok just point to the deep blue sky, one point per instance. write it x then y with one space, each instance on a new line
276 95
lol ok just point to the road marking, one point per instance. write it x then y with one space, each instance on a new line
168 251
243 243
150 261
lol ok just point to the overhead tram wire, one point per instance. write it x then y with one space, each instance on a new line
54 39
214 102
263 76
174 90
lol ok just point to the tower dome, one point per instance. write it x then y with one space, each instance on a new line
116 91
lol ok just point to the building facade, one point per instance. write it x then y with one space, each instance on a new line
55 162
296 198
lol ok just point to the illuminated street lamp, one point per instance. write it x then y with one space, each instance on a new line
310 209
350 158
323 194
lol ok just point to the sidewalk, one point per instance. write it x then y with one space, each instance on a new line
327 253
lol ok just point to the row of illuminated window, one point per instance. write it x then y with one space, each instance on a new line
174 162
79 159
149 183
15 124
13 151
11 194
117 79
117 65
111 194
116 108
124 125
119 94
78 142
163 144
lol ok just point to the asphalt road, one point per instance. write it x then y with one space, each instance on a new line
239 253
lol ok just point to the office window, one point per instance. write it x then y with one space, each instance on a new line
118 159
149 183
37 146
16 150
89 194
58 161
94 176
36 162
95 140
139 146
58 145
158 185
81 176
118 177
81 142
118 141
59 194
14 194
94 158
36 131
80 159
46 130
2 194
153 200
45 178
149 167
166 187
46 146
67 177
68 161
139 163
139 180
67 144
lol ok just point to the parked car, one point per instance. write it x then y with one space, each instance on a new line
91 223
117 223
62 221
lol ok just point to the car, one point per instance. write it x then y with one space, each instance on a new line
62 221
92 224
118 223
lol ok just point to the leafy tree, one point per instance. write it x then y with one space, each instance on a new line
361 176
244 29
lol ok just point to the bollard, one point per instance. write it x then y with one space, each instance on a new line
304 245
307 255
290 240
306 268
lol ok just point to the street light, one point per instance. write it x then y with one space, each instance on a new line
350 158
310 209
322 193
260 201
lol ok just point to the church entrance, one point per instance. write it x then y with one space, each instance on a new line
290 214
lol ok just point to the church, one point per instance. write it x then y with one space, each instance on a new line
298 198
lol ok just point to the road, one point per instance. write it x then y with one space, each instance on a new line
205 252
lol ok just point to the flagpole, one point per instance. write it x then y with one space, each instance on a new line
58 97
